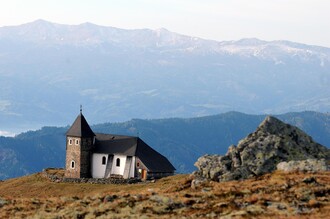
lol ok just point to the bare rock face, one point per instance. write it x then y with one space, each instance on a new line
309 165
260 152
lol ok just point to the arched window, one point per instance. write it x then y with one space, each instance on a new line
70 141
72 164
77 141
118 162
104 160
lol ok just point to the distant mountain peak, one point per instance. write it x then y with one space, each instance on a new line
161 37
162 30
41 21
250 41
38 23
91 25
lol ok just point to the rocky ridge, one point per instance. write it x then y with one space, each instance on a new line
273 142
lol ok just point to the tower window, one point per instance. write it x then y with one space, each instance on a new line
104 160
72 164
70 141
77 141
118 162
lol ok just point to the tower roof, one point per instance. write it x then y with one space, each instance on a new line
80 128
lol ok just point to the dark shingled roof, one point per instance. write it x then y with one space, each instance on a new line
115 144
132 146
80 128
153 160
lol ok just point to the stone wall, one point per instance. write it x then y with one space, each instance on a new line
60 179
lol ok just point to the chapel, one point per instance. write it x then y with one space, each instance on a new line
97 155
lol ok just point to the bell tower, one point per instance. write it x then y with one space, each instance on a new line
79 144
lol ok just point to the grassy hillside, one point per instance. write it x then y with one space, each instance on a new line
276 195
181 140
38 186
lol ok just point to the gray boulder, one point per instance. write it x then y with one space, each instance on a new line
309 165
260 152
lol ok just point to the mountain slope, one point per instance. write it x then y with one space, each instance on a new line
295 195
121 74
182 141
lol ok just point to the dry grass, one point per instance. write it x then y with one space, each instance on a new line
277 195
37 186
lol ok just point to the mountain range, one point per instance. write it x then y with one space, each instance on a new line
181 140
47 70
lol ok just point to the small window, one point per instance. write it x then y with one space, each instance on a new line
118 162
77 141
70 141
138 164
72 164
104 160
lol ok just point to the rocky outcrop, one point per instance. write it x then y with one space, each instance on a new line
260 152
309 165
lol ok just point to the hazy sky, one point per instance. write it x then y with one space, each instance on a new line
305 21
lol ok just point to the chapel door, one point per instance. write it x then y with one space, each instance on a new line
144 174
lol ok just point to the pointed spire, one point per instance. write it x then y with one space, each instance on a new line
80 127
80 109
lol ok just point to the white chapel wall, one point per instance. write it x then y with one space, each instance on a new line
118 170
98 169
